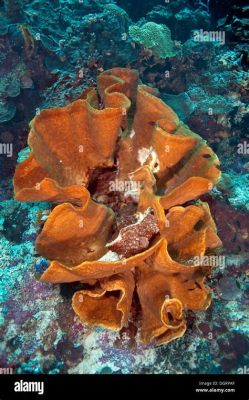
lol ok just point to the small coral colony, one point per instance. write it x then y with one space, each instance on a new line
126 249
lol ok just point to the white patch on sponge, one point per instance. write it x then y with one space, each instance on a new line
143 155
110 256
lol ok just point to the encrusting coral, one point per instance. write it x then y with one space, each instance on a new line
156 37
141 239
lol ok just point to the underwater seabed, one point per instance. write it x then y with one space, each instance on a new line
41 334
41 331
50 53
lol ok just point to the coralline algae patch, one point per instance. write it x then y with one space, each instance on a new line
235 184
23 299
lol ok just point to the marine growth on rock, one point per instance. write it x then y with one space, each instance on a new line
128 174
156 37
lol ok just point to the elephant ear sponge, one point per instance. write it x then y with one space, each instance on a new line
156 37
144 242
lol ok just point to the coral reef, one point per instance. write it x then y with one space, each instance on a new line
233 227
75 40
14 74
71 43
22 77
14 9
236 20
181 16
155 37
232 186
50 51
80 238
87 34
